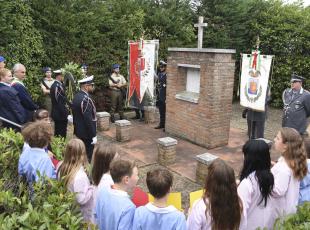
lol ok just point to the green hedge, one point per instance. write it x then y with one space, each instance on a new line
53 207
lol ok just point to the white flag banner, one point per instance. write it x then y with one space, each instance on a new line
254 80
148 72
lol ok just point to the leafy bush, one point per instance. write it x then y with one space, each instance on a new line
298 221
52 206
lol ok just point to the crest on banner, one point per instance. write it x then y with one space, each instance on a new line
254 80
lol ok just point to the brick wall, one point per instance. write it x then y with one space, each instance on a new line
206 123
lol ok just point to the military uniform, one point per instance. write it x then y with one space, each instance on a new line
296 109
162 85
59 111
84 120
116 95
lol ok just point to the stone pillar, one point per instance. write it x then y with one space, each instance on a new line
122 130
203 162
103 121
149 114
166 150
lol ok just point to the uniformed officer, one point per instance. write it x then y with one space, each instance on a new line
59 111
162 85
296 102
2 62
84 115
117 82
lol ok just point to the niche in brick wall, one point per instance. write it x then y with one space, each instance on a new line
192 82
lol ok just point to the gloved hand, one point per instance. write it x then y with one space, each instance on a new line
244 112
70 118
94 140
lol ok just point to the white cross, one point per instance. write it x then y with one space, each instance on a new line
200 26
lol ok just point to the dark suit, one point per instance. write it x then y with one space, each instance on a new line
10 107
162 80
25 99
84 120
296 109
59 110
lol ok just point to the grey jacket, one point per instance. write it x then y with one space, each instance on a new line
296 109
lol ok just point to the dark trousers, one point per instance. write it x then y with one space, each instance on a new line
89 148
162 112
256 129
61 128
117 103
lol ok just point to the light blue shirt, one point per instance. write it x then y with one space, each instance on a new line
35 159
304 192
114 210
150 217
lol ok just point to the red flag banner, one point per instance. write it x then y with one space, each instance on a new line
134 70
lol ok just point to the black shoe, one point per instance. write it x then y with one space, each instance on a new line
112 119
159 127
141 119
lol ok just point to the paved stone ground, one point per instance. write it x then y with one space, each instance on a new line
143 149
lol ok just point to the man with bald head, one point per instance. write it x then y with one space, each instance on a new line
19 73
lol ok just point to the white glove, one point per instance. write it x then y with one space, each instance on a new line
70 118
94 140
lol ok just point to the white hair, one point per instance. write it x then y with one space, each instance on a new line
17 66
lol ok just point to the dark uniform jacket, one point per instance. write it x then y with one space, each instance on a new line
59 101
162 80
25 99
10 106
84 116
296 109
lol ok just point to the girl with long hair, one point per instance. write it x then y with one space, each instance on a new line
73 173
220 207
102 158
304 193
290 169
255 188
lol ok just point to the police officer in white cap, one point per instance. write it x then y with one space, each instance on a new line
84 115
296 102
59 100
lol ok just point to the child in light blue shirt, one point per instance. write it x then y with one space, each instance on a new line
114 209
158 215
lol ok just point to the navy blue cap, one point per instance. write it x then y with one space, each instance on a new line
297 78
45 69
2 59
84 66
115 66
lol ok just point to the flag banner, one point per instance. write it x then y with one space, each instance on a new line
142 66
254 80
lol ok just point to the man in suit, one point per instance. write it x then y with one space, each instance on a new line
296 102
59 110
10 106
84 115
19 72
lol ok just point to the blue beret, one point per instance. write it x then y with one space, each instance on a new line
115 66
2 59
45 69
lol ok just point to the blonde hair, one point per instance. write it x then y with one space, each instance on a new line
3 73
294 154
74 158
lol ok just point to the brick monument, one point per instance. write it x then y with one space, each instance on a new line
199 93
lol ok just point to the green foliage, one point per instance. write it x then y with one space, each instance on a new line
298 221
21 42
58 146
52 207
